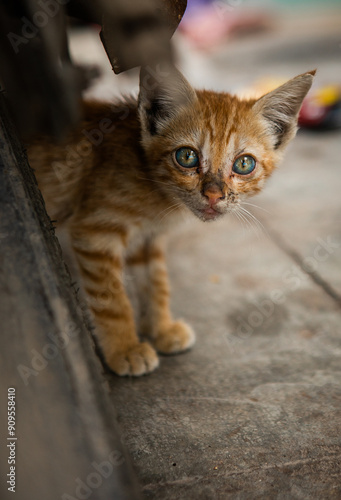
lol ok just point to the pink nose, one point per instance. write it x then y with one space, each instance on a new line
213 194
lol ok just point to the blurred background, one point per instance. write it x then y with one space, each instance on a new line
230 45
257 400
253 410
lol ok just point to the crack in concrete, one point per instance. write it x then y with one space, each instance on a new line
298 259
283 465
292 463
176 482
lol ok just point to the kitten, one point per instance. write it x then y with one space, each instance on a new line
132 169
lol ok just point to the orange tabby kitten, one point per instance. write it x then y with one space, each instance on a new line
174 151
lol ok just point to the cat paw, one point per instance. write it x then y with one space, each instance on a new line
136 361
176 338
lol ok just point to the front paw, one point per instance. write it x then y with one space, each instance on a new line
138 360
177 337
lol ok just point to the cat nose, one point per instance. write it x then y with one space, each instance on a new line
214 194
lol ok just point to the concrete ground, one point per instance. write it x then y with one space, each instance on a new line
253 411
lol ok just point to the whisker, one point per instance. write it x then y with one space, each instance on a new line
256 206
239 220
248 222
157 181
160 182
167 211
153 180
172 209
254 225
254 219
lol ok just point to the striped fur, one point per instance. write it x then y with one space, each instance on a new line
117 187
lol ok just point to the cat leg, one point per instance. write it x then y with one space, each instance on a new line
167 336
100 257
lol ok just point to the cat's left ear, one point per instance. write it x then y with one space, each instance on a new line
280 108
164 92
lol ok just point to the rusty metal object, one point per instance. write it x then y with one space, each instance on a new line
140 32
42 84
134 32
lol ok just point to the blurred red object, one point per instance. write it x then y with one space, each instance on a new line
321 109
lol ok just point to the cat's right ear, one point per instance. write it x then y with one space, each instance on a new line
280 108
164 92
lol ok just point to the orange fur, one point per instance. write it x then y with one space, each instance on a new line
117 185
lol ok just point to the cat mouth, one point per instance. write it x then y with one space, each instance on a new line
209 213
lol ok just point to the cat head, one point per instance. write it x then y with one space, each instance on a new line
210 150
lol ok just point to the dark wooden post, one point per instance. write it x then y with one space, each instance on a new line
66 443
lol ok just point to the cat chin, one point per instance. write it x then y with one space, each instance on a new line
208 214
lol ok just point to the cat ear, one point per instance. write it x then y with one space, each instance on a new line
280 108
164 92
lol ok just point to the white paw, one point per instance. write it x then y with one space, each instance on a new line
177 337
138 360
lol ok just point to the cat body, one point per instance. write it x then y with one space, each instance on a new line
132 170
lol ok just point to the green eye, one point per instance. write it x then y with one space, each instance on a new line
244 165
187 158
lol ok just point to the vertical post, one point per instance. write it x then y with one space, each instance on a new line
60 431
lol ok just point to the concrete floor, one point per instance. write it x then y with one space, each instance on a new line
254 410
